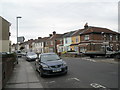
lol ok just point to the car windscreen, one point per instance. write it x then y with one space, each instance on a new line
49 57
31 54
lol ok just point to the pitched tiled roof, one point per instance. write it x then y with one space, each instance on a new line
42 39
76 33
97 30
56 36
69 34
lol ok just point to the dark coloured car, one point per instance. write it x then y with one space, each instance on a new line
18 54
50 64
31 56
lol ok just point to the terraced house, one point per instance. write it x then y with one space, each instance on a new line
76 40
97 39
53 41
60 46
5 34
67 40
89 38
40 45
28 45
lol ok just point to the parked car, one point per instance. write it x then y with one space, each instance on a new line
18 54
31 56
50 64
23 53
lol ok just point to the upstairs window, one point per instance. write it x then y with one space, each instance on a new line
86 37
46 43
77 39
66 41
51 43
116 37
104 37
111 37
61 42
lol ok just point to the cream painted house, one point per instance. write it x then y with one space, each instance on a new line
4 35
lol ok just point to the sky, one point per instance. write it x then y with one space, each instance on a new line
41 17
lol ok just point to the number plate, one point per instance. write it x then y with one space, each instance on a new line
57 70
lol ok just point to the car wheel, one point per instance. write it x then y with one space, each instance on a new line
92 56
66 72
17 62
41 73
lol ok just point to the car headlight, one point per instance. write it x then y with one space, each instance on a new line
64 64
44 66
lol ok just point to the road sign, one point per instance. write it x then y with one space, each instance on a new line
105 43
21 39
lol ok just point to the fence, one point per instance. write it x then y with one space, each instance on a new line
72 54
8 62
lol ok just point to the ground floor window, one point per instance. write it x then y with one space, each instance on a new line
60 49
76 48
51 50
82 49
67 48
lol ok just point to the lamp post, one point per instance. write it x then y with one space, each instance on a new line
17 29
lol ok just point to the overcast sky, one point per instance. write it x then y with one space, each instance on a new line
41 17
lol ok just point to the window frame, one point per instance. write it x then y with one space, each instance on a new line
86 37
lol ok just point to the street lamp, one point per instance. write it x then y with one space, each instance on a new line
17 29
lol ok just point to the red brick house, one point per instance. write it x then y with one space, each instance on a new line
96 38
53 41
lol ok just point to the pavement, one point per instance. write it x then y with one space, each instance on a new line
23 76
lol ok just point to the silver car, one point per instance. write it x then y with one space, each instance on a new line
31 56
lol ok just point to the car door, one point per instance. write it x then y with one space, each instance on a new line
27 56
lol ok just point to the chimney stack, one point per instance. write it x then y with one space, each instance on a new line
86 26
31 39
39 37
54 33
50 35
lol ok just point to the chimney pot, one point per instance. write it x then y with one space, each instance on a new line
54 33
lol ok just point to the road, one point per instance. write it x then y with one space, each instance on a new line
81 74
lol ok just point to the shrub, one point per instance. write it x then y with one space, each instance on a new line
64 52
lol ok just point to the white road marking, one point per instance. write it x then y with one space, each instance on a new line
95 85
74 79
89 59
